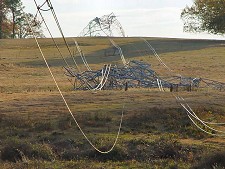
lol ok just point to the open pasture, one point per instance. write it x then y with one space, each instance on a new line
37 129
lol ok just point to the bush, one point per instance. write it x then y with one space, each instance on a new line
166 148
119 153
95 119
15 122
10 154
65 123
14 150
43 126
216 160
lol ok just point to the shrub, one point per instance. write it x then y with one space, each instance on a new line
216 160
43 126
95 119
65 123
15 122
119 153
15 149
166 148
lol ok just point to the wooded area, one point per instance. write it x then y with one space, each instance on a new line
13 20
205 16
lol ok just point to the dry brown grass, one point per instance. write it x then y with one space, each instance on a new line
28 95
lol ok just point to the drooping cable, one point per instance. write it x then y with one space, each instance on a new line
106 78
82 55
38 7
188 109
56 45
116 46
191 115
120 51
212 123
159 85
156 55
58 88
104 72
195 116
180 100
62 34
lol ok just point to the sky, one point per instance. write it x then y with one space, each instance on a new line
149 18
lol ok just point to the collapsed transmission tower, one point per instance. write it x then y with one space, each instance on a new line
107 25
133 73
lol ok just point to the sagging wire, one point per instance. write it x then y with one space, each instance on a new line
60 29
82 55
56 45
212 123
105 74
59 90
159 85
190 113
120 51
106 78
156 55
187 107
159 82
116 46
53 39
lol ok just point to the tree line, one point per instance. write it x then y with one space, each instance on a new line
205 16
202 16
13 21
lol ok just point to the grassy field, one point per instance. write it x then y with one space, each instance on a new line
37 131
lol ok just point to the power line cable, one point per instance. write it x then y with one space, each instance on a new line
189 114
62 34
81 130
38 10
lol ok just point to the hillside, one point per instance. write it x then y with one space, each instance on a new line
36 129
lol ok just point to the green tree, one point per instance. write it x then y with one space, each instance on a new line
5 24
2 17
16 8
205 16
13 21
